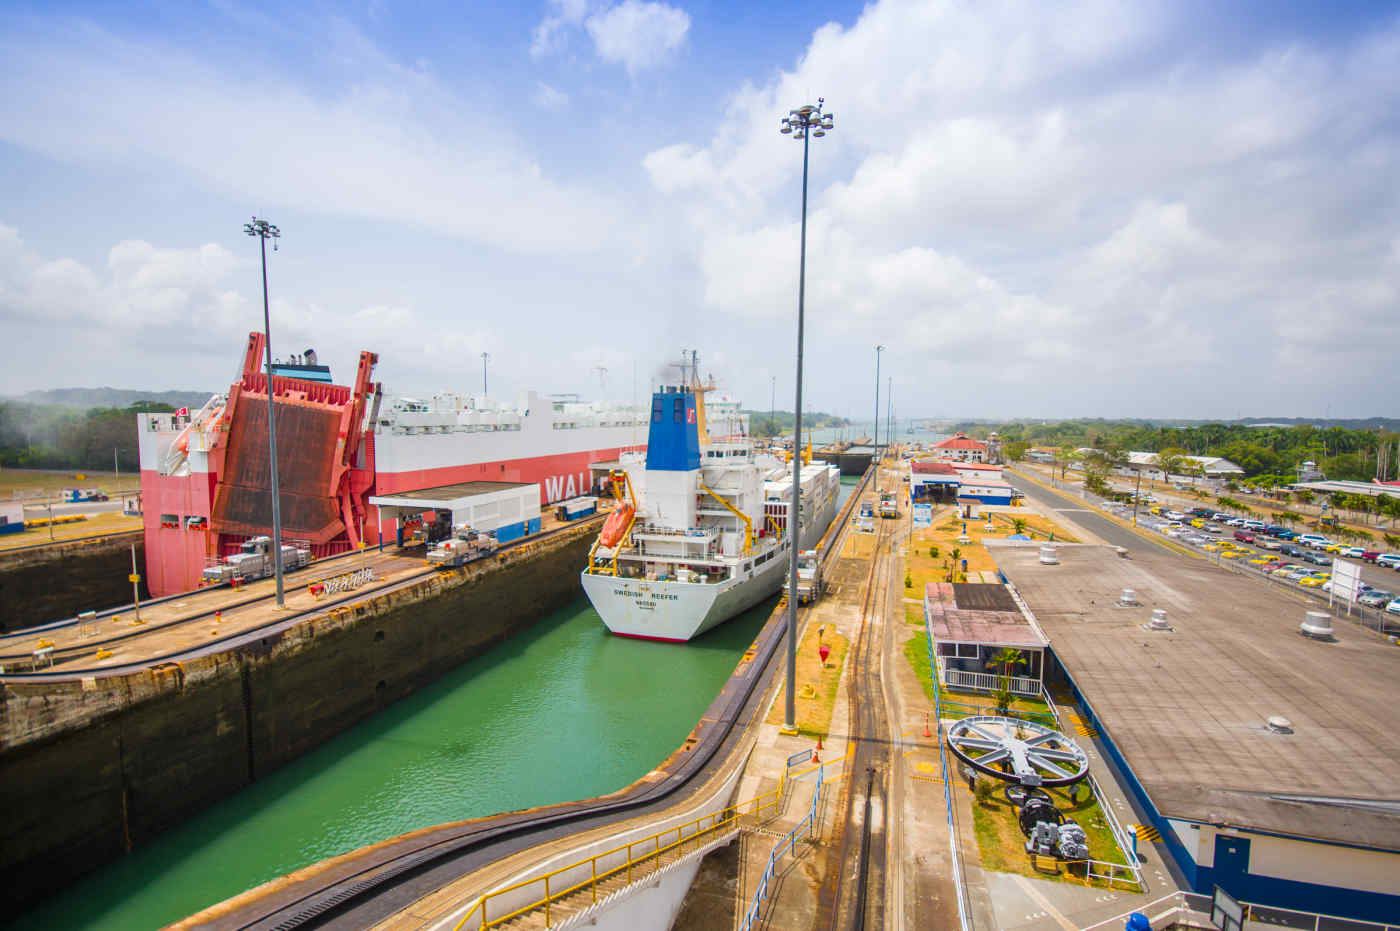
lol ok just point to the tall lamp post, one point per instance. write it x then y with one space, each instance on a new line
802 123
485 356
878 350
773 410
264 231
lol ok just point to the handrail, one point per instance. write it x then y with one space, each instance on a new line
723 818
954 854
809 823
748 524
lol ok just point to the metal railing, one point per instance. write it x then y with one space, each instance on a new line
633 860
1020 685
788 841
955 856
1179 905
1120 836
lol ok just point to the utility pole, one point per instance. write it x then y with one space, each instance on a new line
264 231
485 356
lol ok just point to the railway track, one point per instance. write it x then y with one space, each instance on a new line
77 652
853 892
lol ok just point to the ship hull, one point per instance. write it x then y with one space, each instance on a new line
676 612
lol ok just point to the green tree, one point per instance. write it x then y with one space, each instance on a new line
1170 461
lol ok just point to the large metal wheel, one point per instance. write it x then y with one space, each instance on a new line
1017 751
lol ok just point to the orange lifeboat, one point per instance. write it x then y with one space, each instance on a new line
616 526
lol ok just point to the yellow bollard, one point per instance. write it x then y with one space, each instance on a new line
103 653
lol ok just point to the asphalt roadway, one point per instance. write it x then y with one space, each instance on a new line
1078 511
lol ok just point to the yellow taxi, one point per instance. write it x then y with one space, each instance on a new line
1198 523
1233 553
1314 581
1213 547
1335 547
1261 560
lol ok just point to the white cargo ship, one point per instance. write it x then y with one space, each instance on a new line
703 532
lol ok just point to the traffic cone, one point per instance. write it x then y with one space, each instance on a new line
815 758
927 732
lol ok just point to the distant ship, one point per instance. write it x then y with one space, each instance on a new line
702 533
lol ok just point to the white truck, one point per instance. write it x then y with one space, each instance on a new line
461 548
254 561
809 576
888 507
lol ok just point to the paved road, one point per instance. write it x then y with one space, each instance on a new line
1080 512
82 507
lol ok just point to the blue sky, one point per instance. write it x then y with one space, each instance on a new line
1101 208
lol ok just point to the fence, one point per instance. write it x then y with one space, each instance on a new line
633 860
990 682
1179 906
954 855
788 840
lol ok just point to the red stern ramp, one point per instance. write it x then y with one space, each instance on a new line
306 445
324 468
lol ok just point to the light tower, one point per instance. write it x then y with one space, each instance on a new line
264 231
803 123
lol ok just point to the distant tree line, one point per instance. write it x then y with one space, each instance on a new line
769 424
51 436
1340 453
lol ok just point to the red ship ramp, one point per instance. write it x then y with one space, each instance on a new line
319 433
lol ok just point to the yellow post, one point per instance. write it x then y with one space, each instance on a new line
595 880
546 900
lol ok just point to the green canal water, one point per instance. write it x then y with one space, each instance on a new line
562 711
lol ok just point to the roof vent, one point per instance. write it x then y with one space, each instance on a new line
1128 599
1317 625
1048 557
1159 620
1278 724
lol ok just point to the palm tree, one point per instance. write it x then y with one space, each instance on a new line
1003 661
1018 525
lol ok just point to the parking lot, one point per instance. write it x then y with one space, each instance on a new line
1302 561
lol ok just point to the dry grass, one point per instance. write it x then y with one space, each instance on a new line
816 686
12 480
106 522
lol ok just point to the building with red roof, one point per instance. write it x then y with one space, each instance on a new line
962 447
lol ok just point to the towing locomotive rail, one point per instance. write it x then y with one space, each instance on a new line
872 756
249 633
454 851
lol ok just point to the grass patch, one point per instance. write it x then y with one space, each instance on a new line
104 522
914 614
962 704
1002 845
12 480
816 686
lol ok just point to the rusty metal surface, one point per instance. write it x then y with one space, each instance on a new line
306 444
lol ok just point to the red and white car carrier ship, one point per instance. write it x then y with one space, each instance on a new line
204 475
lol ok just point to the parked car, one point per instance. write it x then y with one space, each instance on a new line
1314 581
1388 560
1286 568
1286 534
1244 536
1220 516
1270 545
1334 547
1393 607
1288 549
1296 574
1317 559
1313 540
1212 528
1235 522
1370 555
1375 598
1174 515
1256 525
1352 552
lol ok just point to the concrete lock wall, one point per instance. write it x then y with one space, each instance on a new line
52 582
90 770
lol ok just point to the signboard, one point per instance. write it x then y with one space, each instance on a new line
1346 580
923 515
1226 913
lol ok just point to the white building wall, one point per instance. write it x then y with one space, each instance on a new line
1309 861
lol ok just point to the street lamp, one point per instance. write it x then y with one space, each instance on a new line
878 350
264 231
484 357
801 123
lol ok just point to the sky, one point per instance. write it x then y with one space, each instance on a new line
1087 208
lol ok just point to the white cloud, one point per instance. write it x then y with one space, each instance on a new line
549 98
549 36
638 34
